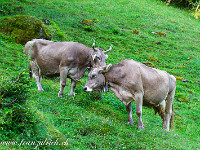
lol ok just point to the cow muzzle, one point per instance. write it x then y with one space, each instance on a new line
87 89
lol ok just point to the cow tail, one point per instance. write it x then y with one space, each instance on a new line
172 119
30 71
29 46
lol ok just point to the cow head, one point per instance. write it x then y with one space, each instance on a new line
98 56
96 79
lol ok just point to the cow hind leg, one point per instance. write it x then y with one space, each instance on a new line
73 85
139 102
38 80
161 111
169 110
63 77
36 75
129 110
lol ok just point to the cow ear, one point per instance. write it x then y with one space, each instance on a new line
107 68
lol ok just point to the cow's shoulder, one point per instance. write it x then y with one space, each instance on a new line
124 71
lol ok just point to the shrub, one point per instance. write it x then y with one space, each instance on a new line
24 28
13 89
16 117
16 120
184 3
136 31
88 25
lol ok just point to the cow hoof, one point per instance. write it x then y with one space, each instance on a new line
72 94
167 129
129 122
41 90
60 95
140 127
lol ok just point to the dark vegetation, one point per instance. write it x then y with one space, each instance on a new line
184 3
147 31
24 28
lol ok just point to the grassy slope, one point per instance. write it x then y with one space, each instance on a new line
102 124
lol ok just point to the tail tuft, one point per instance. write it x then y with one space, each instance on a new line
30 72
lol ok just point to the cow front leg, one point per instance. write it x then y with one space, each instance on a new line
63 77
139 102
129 110
73 85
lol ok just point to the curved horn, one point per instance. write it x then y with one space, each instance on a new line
108 49
107 68
93 45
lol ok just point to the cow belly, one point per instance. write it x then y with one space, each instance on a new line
49 72
48 67
153 98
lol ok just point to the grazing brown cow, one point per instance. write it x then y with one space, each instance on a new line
131 80
67 59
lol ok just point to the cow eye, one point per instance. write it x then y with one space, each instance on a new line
94 76
98 58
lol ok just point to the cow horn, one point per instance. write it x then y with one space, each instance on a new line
108 49
107 68
93 45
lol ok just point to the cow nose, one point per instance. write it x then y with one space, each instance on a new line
85 89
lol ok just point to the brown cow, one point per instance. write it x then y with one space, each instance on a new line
131 80
67 59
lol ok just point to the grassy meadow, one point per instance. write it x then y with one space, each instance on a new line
147 31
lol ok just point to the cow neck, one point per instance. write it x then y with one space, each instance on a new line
90 54
90 58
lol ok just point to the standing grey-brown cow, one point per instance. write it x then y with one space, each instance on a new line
131 80
67 59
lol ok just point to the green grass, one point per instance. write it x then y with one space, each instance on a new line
84 123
